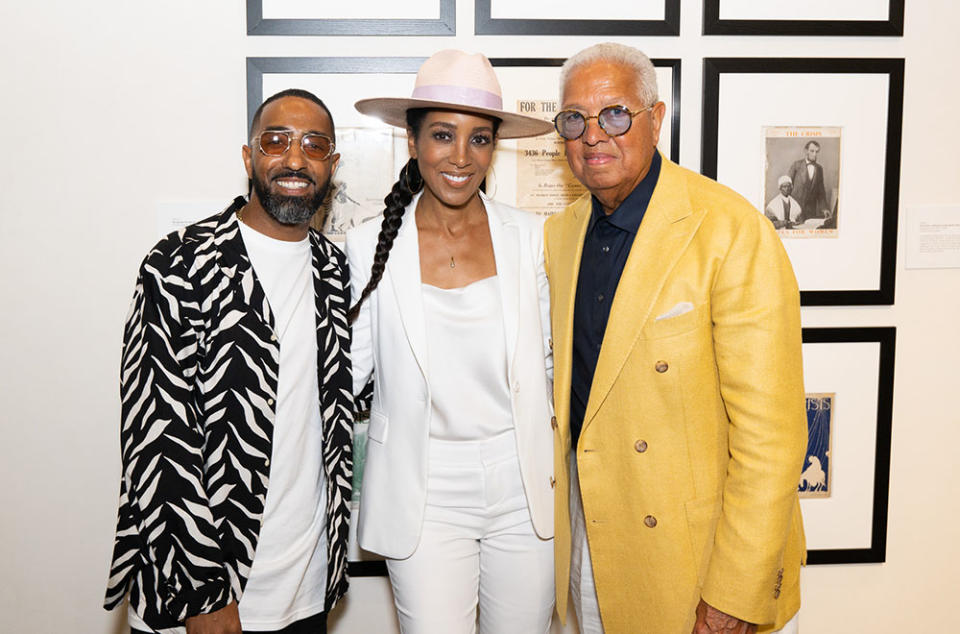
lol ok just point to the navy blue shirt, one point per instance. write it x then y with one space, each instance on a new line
605 250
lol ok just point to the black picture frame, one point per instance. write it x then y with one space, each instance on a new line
484 24
445 24
714 25
715 67
886 337
257 67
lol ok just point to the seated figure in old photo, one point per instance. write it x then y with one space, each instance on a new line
784 211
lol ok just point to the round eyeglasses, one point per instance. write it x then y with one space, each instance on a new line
614 120
315 146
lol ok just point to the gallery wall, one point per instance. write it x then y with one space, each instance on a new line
113 110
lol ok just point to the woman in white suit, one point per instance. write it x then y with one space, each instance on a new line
452 323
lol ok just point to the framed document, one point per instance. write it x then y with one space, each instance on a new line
848 374
532 173
373 17
528 173
814 144
810 17
572 17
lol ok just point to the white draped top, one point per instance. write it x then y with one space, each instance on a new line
467 361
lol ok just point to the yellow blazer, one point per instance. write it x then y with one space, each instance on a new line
695 431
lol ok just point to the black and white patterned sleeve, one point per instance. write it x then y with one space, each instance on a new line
161 440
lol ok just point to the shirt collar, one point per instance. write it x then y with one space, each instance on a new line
630 212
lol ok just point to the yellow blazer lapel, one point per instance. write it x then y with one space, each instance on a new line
571 227
667 228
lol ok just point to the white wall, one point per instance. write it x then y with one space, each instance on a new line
96 99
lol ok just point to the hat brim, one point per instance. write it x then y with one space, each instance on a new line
394 112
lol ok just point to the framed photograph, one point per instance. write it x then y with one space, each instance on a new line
814 144
528 173
374 17
848 374
811 17
815 480
371 152
570 17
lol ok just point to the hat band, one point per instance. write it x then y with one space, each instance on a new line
460 95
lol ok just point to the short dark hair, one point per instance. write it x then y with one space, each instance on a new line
809 143
291 92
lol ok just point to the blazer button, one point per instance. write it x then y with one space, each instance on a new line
550 342
553 422
650 521
661 367
776 593
553 482
269 401
640 446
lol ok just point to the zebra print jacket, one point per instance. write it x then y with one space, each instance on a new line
197 384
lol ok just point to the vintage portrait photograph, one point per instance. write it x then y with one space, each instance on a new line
801 180
815 479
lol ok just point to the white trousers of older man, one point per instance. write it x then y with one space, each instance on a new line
583 591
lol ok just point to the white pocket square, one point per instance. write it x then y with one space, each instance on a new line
676 311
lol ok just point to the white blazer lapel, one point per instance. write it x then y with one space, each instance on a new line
403 269
504 234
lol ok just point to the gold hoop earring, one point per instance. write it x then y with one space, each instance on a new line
406 178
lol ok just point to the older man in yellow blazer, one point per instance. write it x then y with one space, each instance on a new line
680 423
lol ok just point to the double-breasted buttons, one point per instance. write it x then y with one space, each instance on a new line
553 422
650 521
661 367
553 482
640 446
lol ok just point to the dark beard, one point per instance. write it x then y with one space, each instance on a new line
289 210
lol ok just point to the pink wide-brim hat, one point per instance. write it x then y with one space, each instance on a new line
455 80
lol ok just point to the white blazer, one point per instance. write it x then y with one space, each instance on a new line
390 343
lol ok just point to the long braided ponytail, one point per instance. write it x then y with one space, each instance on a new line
408 184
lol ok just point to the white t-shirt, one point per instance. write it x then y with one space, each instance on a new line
288 578
289 575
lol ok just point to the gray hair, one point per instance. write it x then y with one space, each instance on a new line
631 58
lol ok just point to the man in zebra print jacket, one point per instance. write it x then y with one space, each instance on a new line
237 406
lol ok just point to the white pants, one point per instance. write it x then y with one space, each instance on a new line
583 592
477 548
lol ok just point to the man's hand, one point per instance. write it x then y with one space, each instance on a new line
224 621
710 620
